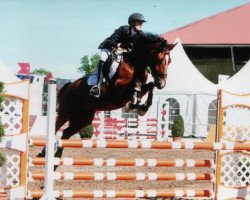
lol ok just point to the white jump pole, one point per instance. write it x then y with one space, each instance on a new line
49 167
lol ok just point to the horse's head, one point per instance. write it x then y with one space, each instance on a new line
155 53
160 59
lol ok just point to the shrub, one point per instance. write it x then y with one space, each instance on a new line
87 131
178 127
1 131
1 91
2 159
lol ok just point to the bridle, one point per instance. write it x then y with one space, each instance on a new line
164 75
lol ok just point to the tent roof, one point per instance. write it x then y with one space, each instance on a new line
228 27
13 85
6 76
239 83
183 77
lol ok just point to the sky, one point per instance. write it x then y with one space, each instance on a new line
55 35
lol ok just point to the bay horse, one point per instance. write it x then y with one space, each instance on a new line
78 107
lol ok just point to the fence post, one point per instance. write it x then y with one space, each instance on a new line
49 167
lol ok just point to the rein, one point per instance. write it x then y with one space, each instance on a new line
162 75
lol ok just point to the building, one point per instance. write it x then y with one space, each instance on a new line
219 44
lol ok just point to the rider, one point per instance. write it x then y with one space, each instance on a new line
123 37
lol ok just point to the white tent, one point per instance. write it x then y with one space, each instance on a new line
13 85
189 93
183 77
239 83
6 76
34 91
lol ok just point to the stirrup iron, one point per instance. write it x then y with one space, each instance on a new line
95 91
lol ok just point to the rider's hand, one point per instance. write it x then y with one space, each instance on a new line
127 46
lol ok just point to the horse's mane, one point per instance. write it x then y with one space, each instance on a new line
149 39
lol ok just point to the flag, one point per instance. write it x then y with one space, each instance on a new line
48 77
25 68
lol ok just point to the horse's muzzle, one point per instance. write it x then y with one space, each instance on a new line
160 83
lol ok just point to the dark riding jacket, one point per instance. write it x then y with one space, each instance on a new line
124 34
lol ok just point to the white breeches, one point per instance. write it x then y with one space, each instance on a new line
104 54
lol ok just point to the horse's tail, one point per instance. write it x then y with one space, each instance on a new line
62 90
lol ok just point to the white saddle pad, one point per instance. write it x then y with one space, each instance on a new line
92 79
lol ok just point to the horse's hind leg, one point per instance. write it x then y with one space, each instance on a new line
75 124
60 121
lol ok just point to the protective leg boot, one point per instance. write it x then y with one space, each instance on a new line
137 94
96 89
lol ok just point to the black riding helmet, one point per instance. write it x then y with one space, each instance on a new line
136 17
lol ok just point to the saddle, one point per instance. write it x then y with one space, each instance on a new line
110 67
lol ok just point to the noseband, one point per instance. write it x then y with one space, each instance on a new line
161 76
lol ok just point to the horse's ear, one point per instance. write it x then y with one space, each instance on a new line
171 46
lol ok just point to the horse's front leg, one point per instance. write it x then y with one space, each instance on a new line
136 97
137 93
142 109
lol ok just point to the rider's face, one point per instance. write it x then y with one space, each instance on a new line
138 25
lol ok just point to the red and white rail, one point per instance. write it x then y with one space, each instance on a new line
146 144
138 162
140 176
124 193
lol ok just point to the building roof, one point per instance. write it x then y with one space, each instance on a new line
230 27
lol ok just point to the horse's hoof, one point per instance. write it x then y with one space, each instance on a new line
55 167
40 155
141 112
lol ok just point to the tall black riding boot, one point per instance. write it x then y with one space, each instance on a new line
96 89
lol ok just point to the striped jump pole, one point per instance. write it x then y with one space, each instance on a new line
136 137
98 176
3 195
125 193
147 144
138 162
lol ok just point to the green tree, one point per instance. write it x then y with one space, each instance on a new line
88 64
2 156
40 71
